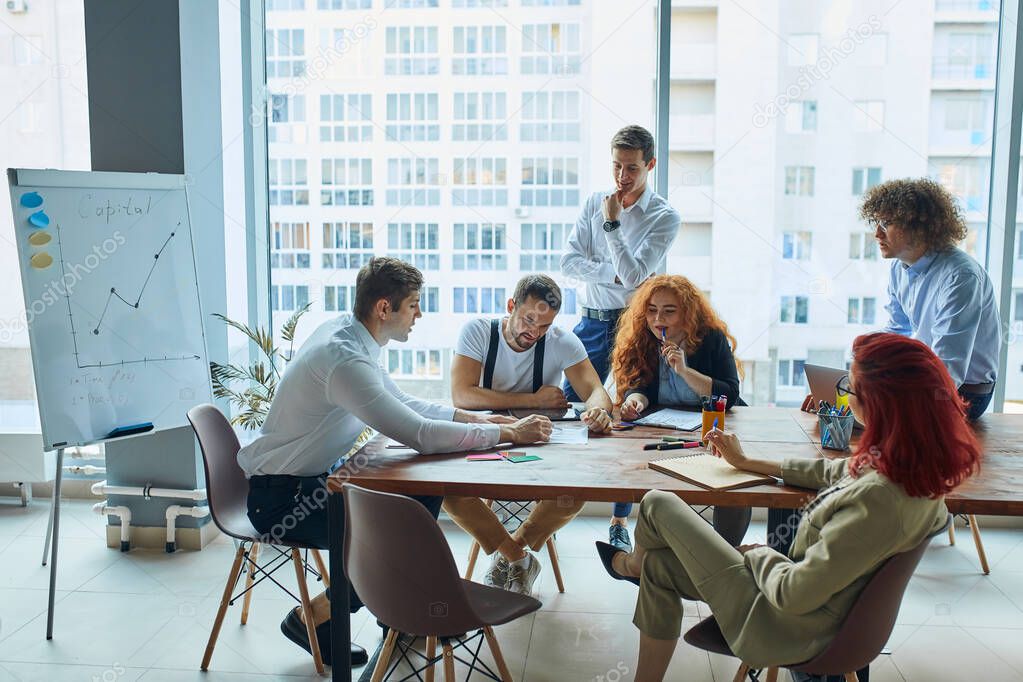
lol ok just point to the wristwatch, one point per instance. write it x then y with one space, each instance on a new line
611 225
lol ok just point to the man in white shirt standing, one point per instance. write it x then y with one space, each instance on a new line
516 363
333 389
621 238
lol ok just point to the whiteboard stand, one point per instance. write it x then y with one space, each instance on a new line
55 524
49 520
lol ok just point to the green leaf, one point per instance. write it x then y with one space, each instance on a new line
288 330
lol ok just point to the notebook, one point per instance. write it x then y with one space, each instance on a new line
672 419
708 471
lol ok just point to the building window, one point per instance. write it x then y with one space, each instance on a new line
411 51
344 4
346 118
868 116
287 113
480 116
550 182
460 4
791 373
412 117
479 299
480 181
542 246
862 246
415 243
413 182
550 49
479 246
290 245
796 245
480 51
285 52
429 300
355 176
865 178
285 5
28 50
549 3
793 309
288 298
799 180
861 310
338 298
550 116
801 117
413 364
802 49
411 4
969 55
347 245
289 185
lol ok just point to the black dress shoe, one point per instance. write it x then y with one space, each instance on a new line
294 629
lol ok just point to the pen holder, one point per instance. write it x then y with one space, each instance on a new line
708 422
836 430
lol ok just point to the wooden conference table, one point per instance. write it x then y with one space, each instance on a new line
613 468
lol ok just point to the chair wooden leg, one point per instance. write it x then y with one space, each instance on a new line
772 674
975 529
852 677
552 552
431 651
474 553
232 580
449 663
952 531
307 611
249 578
495 650
321 567
741 673
385 656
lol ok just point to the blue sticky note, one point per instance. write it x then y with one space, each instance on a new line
31 200
39 219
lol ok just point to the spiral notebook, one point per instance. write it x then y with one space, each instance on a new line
708 471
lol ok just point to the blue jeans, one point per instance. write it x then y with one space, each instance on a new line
598 339
978 403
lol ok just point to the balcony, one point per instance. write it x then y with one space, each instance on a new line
694 62
957 74
691 132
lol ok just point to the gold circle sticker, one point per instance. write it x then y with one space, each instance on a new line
41 260
39 238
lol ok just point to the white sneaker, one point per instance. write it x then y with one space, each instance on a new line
497 574
522 574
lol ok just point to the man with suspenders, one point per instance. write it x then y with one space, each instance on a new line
516 363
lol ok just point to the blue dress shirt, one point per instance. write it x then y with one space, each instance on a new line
946 300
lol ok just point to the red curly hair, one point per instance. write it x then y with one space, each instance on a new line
636 351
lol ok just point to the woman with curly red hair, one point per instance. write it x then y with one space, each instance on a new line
887 498
670 349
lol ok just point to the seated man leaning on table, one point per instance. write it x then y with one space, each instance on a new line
334 388
516 363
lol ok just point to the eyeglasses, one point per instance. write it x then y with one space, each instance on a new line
842 387
882 225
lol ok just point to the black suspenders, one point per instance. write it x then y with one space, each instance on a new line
495 339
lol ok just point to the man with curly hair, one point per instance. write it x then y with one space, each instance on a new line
937 293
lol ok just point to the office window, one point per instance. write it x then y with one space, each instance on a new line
344 4
288 182
473 4
429 299
414 364
485 300
865 178
802 49
801 117
287 119
861 310
410 4
799 180
967 55
863 246
288 297
480 181
285 5
338 298
549 3
480 116
550 116
413 182
412 117
290 245
542 246
285 52
796 245
791 373
346 118
346 182
479 246
551 49
415 243
480 51
793 309
411 51
550 181
868 116
347 245
28 50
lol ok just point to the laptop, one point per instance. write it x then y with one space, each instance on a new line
822 381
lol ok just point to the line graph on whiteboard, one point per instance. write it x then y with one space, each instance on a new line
123 308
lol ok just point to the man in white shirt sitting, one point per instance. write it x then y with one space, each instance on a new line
333 389
517 363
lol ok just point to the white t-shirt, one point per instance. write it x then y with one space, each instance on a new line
513 371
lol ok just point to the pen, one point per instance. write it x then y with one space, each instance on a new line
676 439
673 446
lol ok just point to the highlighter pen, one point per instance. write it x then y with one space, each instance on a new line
673 446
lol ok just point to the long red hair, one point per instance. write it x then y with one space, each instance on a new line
916 432
636 351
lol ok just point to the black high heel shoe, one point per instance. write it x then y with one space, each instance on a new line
607 552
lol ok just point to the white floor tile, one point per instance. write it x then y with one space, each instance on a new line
950 653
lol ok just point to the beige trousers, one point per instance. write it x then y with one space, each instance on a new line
480 521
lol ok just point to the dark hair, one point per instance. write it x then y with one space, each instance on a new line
916 431
540 287
635 137
384 277
920 206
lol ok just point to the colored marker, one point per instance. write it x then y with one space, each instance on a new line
673 446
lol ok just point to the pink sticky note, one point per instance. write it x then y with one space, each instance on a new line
484 458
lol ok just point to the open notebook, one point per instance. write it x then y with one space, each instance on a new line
708 471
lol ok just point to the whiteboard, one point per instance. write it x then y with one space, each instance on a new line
111 299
